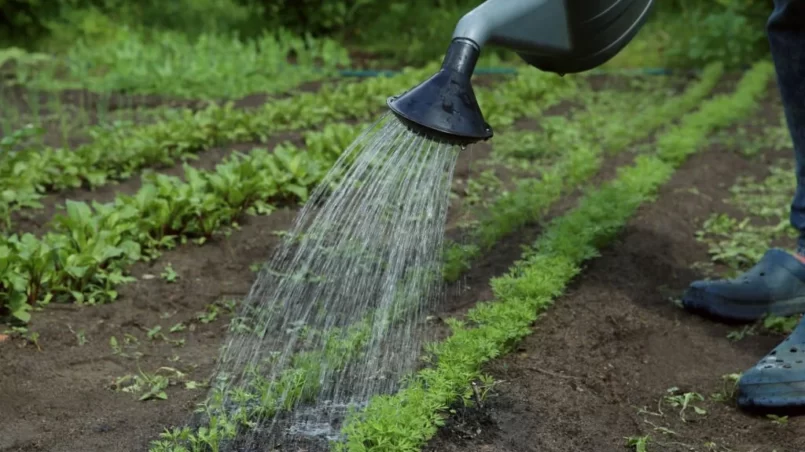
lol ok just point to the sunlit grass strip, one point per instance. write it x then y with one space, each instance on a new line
533 197
406 420
25 176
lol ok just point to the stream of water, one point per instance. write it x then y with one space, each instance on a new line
337 314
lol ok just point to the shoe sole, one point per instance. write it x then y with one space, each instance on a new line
746 312
779 398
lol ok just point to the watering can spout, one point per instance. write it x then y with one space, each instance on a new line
444 107
559 36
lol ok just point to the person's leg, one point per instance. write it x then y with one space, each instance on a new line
777 382
776 285
786 32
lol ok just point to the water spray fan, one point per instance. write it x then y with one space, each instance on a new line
559 36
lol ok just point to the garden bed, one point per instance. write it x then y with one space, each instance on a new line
598 372
57 388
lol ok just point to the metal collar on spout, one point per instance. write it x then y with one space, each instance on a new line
444 107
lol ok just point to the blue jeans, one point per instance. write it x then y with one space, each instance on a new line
786 33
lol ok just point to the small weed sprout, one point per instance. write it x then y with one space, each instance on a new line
683 401
169 274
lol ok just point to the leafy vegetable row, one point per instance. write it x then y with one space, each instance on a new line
406 420
298 383
118 153
584 141
84 258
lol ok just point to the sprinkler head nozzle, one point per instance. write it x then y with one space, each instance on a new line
444 107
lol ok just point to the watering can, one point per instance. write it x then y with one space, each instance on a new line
558 36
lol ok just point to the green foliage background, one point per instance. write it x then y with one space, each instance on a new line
680 33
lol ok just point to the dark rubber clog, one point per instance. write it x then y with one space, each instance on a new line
777 382
775 285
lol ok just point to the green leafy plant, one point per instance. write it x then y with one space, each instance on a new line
779 420
638 443
690 34
729 389
739 242
208 66
169 274
150 386
780 325
683 401
714 39
85 256
81 335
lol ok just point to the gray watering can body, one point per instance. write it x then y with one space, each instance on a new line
559 36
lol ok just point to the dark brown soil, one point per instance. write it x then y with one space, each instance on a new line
615 343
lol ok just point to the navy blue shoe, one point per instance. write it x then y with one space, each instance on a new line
775 285
777 382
